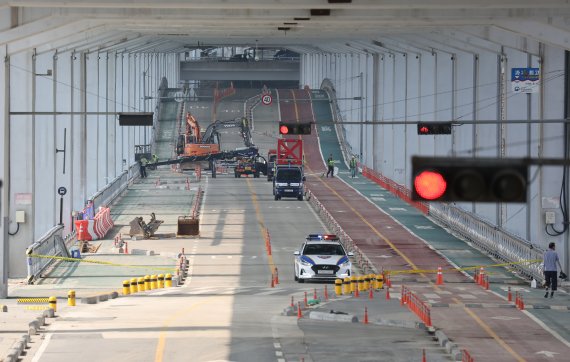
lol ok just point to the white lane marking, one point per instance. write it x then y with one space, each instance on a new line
432 296
547 353
378 198
43 347
424 227
467 296
277 345
397 209
270 292
505 318
279 353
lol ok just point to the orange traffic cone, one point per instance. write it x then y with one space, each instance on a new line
315 294
299 313
306 303
326 294
509 295
365 315
424 356
370 294
272 281
481 276
356 293
387 293
439 280
276 276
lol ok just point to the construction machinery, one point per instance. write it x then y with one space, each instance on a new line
196 149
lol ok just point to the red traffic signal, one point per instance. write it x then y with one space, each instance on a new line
428 128
469 179
293 128
430 185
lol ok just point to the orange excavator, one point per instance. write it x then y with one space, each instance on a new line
190 143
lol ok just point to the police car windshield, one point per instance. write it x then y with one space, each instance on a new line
289 175
323 249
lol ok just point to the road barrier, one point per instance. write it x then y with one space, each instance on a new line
416 305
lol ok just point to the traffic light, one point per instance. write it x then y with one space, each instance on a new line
469 179
425 128
293 128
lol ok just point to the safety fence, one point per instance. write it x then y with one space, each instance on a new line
51 244
416 305
398 190
496 242
361 260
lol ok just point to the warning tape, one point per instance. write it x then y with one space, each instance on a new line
475 267
37 307
32 300
99 262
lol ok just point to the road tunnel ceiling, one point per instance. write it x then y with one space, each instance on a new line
306 26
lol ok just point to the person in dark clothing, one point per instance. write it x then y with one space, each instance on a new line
142 162
330 165
550 264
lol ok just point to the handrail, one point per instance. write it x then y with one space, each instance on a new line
50 244
328 87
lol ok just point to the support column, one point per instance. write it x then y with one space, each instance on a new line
4 172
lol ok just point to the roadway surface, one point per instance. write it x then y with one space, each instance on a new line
227 310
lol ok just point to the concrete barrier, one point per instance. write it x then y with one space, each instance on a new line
321 316
49 313
90 300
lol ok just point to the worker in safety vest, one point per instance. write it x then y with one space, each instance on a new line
352 164
143 161
330 165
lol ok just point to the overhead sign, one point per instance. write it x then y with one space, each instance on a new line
525 80
266 99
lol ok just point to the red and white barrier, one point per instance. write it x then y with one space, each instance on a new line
96 228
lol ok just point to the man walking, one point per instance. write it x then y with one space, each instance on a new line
143 161
330 165
550 269
352 164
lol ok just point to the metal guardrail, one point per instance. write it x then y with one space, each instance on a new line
496 242
51 244
362 260
115 187
345 148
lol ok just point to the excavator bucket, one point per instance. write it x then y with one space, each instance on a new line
188 226
142 229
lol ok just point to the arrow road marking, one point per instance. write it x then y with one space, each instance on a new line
547 353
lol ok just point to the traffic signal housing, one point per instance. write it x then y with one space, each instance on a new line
469 179
294 128
430 128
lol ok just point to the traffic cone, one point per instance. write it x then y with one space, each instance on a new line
370 294
481 276
509 295
365 315
315 294
356 293
292 302
299 313
306 303
276 276
521 303
439 280
486 282
126 247
326 294
388 281
272 281
387 293
424 356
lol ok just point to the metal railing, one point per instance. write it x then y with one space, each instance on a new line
51 244
362 260
345 148
496 242
115 187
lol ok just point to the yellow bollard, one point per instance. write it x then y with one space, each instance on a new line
147 282
338 286
346 285
360 284
379 281
141 284
366 285
153 279
53 303
168 281
353 284
160 280
71 298
134 287
126 290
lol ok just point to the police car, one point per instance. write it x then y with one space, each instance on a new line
322 257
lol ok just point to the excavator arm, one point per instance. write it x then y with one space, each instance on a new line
242 123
